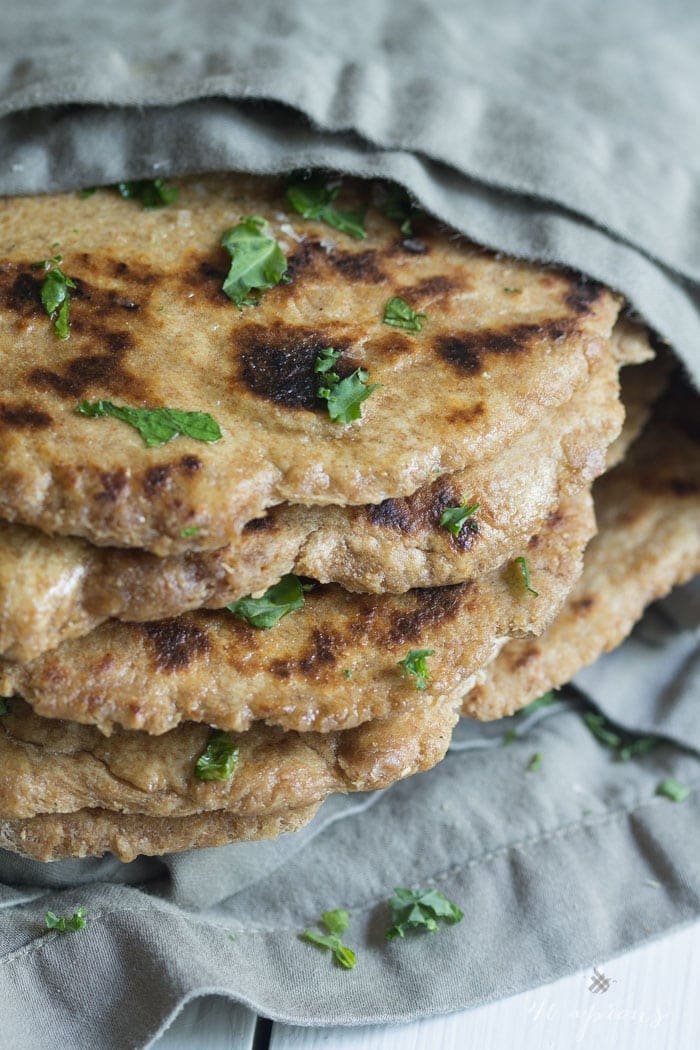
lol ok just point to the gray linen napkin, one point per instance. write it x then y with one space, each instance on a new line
555 133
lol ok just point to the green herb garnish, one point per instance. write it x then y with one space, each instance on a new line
257 261
156 425
626 744
55 294
313 198
512 291
416 664
535 762
277 601
420 910
400 314
76 922
219 758
89 191
152 193
542 701
673 789
191 530
336 922
346 674
398 206
525 570
343 397
509 737
455 518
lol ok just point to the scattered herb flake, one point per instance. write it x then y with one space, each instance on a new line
455 518
416 664
335 922
219 759
400 314
156 425
535 762
673 789
346 674
313 198
77 921
191 530
420 909
257 261
525 570
512 291
639 746
152 193
509 737
542 701
277 601
626 744
55 294
343 397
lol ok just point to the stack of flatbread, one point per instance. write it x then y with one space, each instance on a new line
213 617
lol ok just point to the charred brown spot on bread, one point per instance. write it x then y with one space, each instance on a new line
683 487
320 654
583 605
156 478
358 266
520 659
303 260
433 606
436 287
176 643
82 373
113 482
202 279
24 417
467 350
258 524
190 464
20 292
582 294
392 514
278 364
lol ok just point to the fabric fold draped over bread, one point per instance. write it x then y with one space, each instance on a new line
150 327
54 588
648 512
331 665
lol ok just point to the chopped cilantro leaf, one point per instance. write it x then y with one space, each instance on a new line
535 762
416 663
420 909
346 674
219 758
345 397
156 425
400 314
455 518
335 922
325 362
626 744
277 601
55 294
542 701
525 570
257 261
76 922
313 198
509 737
673 789
152 193
512 291
191 530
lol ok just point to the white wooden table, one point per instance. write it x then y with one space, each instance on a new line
653 1003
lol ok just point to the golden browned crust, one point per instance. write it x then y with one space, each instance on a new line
150 326
54 588
49 766
215 668
648 512
92 832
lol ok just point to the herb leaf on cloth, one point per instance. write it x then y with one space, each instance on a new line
219 759
313 198
277 601
336 922
156 425
420 910
77 921
627 745
257 261
673 789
